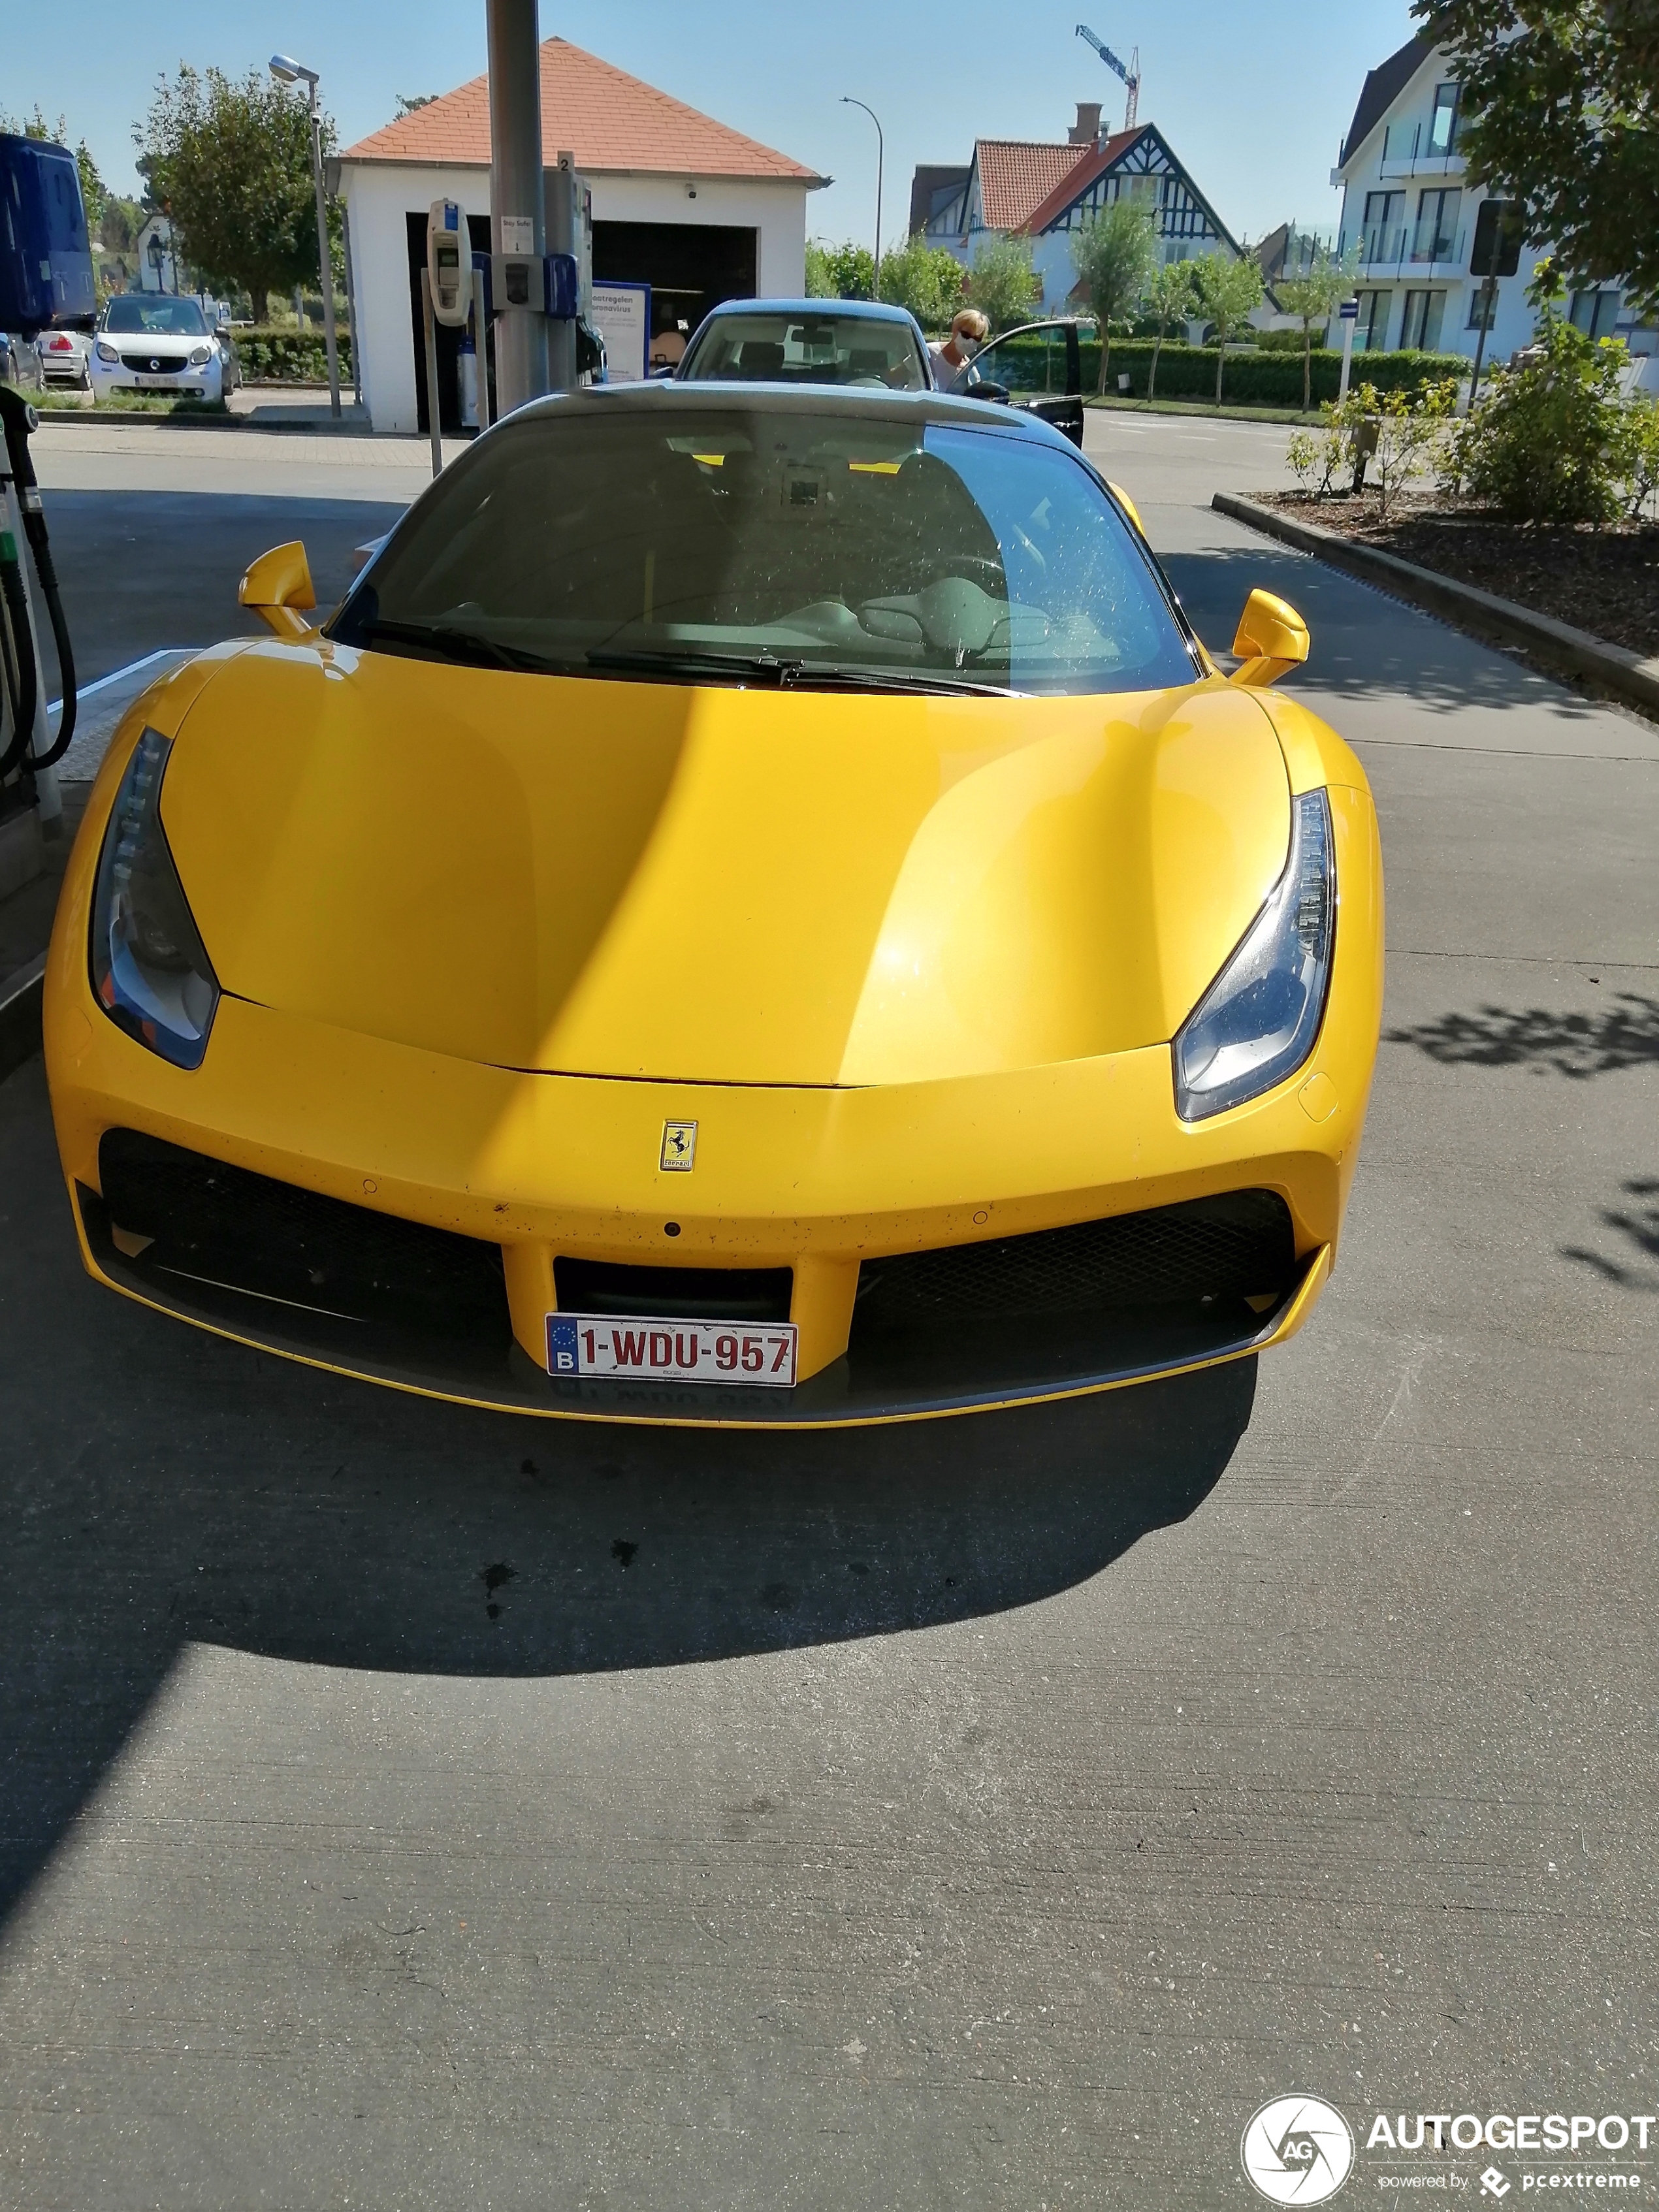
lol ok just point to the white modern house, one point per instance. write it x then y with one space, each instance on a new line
1417 223
1043 189
682 204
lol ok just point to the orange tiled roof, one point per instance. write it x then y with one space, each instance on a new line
1018 175
1078 177
609 121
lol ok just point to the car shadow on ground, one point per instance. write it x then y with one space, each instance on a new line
163 1486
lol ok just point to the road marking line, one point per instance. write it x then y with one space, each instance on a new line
86 690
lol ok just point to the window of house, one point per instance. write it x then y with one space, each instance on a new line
1425 312
1385 217
1437 236
1595 314
1442 129
1478 300
1371 332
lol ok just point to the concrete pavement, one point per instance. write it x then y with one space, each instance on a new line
406 1807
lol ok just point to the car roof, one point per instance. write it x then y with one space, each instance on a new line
874 311
655 392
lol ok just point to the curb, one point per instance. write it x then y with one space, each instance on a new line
21 996
1611 670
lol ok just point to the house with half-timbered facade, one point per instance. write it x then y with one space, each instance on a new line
1043 189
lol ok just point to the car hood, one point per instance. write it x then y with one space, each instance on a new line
172 347
703 884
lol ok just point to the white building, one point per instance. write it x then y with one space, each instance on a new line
1415 221
683 204
1041 190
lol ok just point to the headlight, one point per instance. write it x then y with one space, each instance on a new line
1257 1022
151 972
199 354
106 352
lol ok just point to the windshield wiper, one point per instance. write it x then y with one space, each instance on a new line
450 641
788 674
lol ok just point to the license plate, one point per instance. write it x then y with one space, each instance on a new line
157 383
669 1351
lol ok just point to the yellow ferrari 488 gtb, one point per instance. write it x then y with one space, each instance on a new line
756 909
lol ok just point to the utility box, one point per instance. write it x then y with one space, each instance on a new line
46 255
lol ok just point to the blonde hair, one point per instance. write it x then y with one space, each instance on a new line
971 323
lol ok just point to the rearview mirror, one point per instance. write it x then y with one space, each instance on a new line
1270 638
278 586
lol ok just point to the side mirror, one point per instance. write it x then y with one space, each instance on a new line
1271 637
278 586
986 391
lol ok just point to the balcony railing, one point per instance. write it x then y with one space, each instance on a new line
1408 149
1414 248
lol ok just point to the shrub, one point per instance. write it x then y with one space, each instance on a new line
846 271
1397 430
1552 440
1259 378
927 279
270 355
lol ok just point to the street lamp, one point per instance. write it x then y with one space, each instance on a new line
290 72
847 101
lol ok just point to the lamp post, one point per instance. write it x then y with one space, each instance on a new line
291 72
847 101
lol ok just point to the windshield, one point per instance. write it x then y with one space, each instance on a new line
155 315
786 544
827 348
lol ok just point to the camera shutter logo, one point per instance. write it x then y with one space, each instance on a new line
1297 2151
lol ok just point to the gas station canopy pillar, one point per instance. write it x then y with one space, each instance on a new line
517 219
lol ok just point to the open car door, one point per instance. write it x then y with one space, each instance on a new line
1037 367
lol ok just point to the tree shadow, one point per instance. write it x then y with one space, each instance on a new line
1639 1226
161 1486
1579 1046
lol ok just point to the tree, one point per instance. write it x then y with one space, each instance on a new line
1171 299
926 279
1114 253
1561 102
1314 298
1002 284
1228 290
840 272
231 159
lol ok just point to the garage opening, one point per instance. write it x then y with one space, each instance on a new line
689 266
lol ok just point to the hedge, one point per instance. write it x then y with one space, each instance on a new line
270 354
1256 378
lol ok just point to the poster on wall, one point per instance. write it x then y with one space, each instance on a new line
622 313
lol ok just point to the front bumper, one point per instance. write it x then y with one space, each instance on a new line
189 384
821 1181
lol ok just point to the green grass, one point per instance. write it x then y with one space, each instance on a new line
1228 411
60 400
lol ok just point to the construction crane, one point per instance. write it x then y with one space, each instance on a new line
1131 76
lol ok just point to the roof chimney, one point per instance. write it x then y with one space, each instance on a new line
1085 131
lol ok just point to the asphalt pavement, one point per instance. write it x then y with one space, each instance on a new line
407 1807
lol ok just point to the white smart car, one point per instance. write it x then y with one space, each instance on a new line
154 342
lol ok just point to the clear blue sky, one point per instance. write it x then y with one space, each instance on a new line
1253 95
